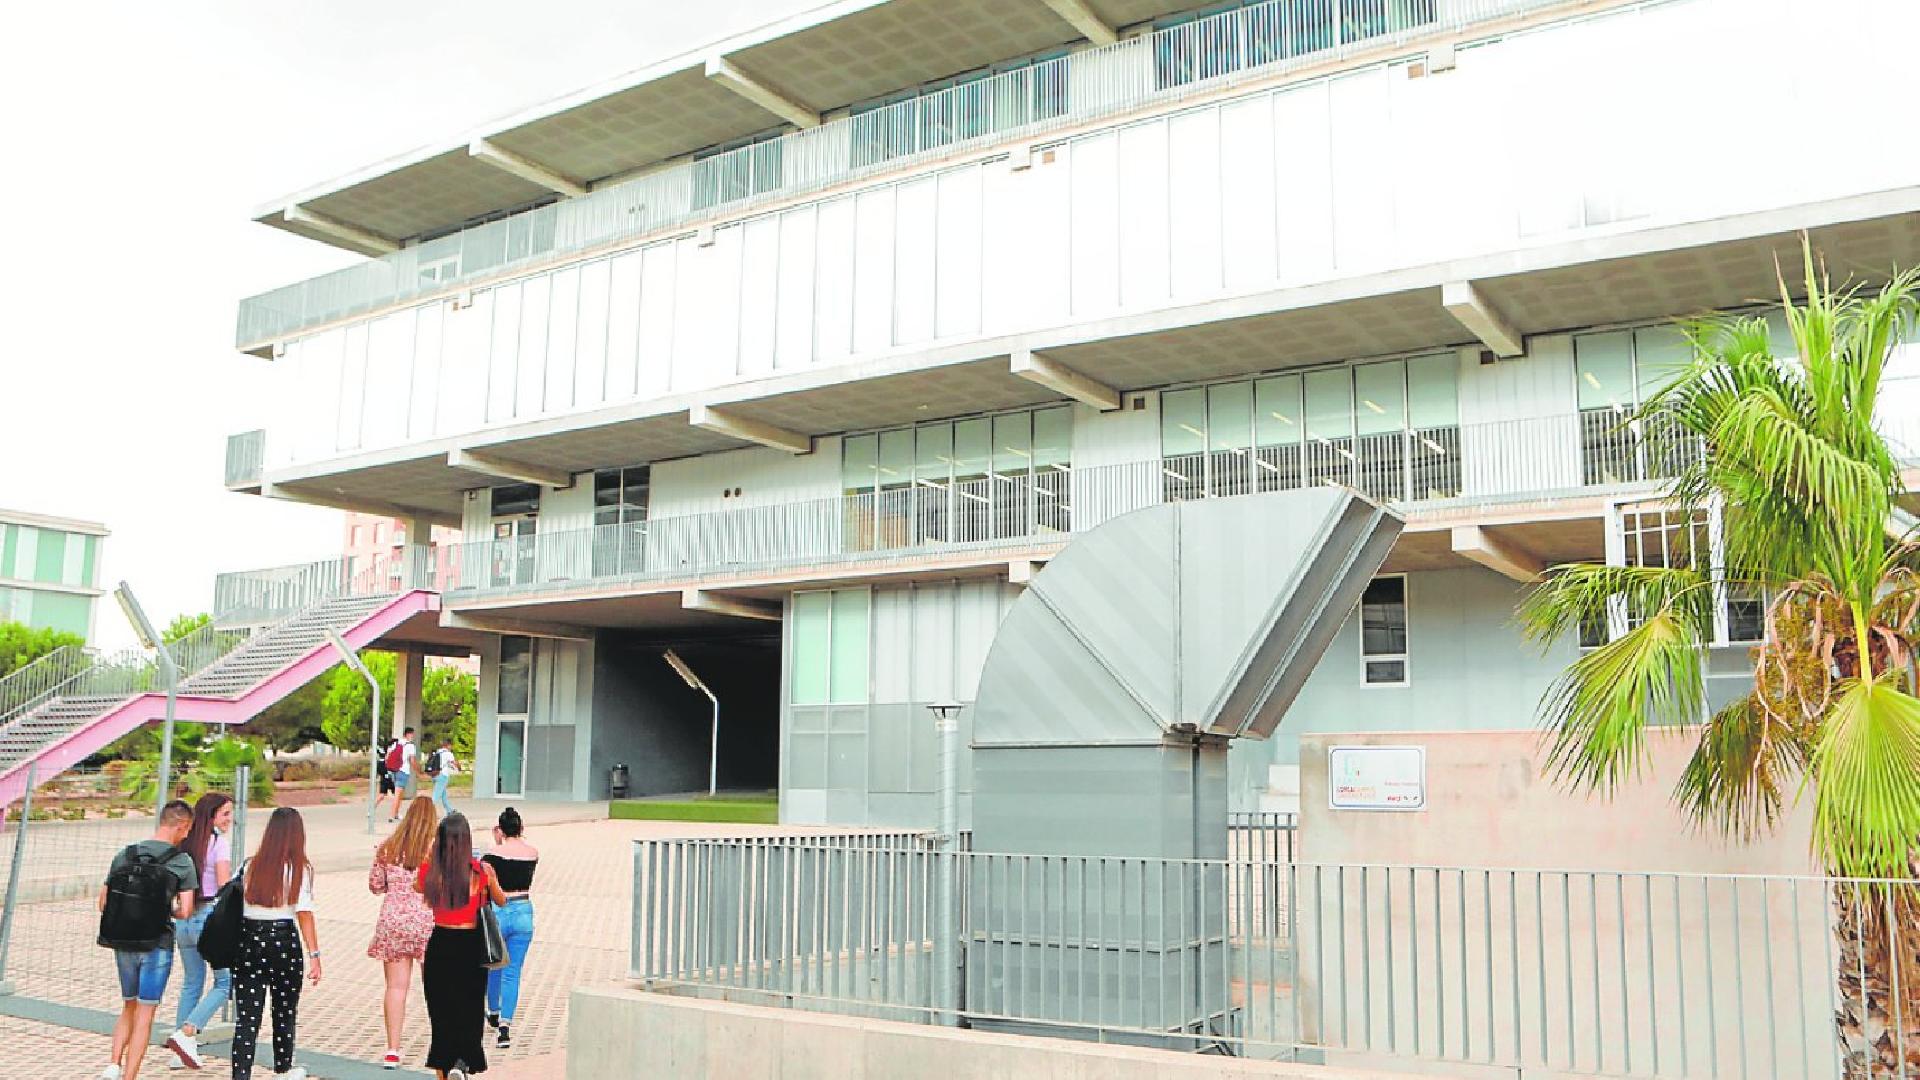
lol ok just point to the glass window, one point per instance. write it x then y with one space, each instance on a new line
1183 422
1603 365
1230 416
812 622
1012 443
859 457
895 467
1433 398
1329 404
1383 631
849 648
1277 411
511 499
933 454
1660 353
972 448
1380 398
1052 438
516 676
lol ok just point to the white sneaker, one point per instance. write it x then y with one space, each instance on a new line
298 1072
187 1049
111 1072
458 1072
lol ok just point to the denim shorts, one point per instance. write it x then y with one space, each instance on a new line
400 780
143 975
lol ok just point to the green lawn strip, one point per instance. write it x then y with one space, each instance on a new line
731 811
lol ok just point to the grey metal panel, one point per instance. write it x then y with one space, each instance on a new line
890 748
1118 596
891 633
1043 685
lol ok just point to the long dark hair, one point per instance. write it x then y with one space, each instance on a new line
201 834
510 824
280 866
449 881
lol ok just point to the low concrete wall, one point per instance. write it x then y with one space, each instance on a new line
618 1033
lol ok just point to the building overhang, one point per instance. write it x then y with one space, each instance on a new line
824 58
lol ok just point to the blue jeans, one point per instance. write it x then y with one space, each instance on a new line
503 986
143 975
198 1005
440 793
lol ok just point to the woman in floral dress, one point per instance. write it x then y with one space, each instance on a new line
406 922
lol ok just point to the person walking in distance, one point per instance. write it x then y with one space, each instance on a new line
212 854
512 860
454 975
441 765
400 760
149 885
276 920
406 922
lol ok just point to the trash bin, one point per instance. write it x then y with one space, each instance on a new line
617 781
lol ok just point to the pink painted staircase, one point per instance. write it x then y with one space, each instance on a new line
64 729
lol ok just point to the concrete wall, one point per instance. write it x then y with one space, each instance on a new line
645 717
614 1032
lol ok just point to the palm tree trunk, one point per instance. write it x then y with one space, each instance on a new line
1876 932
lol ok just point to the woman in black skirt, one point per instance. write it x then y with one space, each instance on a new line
454 974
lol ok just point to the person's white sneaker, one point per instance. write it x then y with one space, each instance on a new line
298 1072
458 1072
187 1048
111 1072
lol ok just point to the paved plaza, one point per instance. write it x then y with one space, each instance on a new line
583 896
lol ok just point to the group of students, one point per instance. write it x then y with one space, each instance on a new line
160 894
401 759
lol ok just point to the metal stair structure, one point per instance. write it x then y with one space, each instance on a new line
227 681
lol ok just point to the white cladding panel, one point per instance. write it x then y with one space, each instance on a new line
930 641
1354 173
696 485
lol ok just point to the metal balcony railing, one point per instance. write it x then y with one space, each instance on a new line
1161 67
246 457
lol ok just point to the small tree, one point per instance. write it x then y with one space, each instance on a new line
344 706
448 699
1788 447
21 644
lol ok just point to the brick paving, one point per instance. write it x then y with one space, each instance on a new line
583 903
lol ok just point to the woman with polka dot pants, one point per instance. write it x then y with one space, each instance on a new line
278 915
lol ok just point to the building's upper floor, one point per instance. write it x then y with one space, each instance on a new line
49 570
1269 224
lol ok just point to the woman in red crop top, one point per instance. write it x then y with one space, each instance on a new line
454 974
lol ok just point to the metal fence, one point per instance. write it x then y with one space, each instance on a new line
1606 973
1164 66
246 457
54 853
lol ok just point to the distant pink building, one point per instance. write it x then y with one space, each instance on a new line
372 545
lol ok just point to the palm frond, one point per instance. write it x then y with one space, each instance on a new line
1579 594
1738 776
1867 803
1600 708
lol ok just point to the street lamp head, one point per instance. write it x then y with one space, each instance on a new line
142 629
347 655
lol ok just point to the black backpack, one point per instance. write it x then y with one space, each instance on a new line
220 937
138 915
431 767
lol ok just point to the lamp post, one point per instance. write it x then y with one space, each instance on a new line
713 755
946 959
149 639
352 660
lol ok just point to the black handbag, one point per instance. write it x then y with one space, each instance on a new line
494 941
220 937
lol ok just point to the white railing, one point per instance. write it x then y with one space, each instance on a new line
256 597
1164 66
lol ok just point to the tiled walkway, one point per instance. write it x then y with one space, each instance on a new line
583 901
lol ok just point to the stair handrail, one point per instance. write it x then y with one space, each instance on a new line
23 689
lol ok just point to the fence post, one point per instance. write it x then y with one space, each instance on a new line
13 876
242 779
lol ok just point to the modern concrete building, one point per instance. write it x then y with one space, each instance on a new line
50 571
799 354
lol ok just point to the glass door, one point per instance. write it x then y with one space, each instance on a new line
511 701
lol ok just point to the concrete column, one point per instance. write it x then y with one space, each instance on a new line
409 670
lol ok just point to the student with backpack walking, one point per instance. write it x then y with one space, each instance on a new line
401 755
454 976
441 765
149 884
212 854
277 919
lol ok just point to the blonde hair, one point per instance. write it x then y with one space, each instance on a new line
408 845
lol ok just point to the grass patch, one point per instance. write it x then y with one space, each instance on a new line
727 809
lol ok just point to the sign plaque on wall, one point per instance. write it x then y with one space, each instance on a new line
1376 777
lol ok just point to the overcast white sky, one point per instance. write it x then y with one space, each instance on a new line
140 137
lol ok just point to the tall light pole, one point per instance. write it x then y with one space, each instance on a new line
946 942
149 639
353 662
713 755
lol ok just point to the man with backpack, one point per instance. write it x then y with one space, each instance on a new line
149 884
440 766
399 762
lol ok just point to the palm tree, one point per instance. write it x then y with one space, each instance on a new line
1808 490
